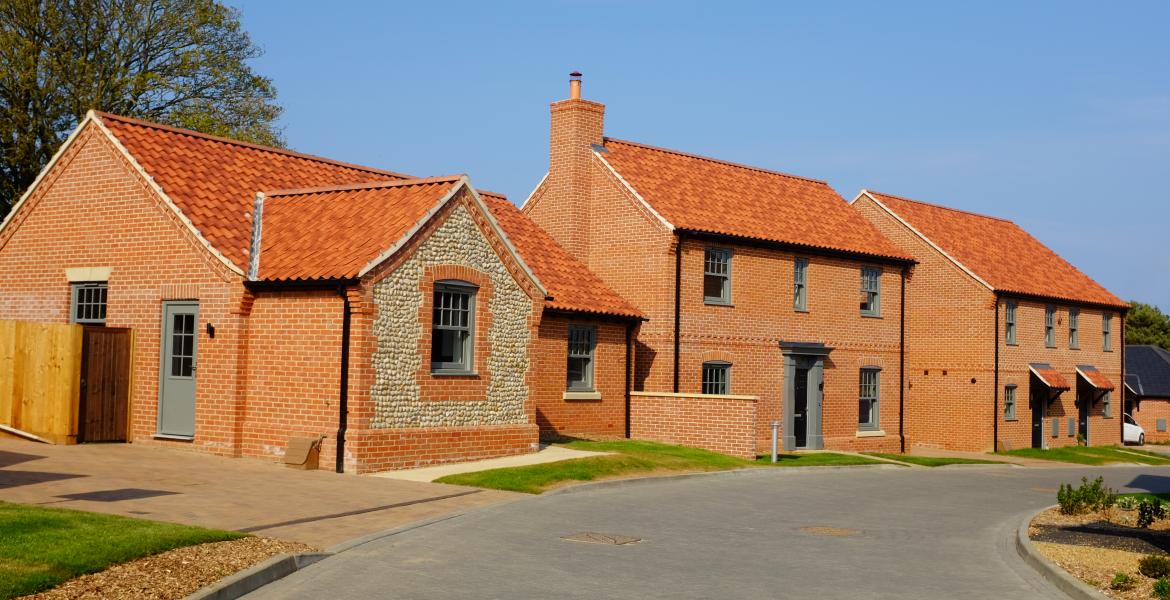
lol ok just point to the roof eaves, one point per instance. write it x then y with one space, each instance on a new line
630 188
1123 306
163 195
915 231
809 247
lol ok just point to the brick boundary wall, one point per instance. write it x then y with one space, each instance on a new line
724 424
411 447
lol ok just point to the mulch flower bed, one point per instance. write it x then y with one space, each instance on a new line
1096 546
173 574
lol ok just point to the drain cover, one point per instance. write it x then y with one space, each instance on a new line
591 537
831 531
117 495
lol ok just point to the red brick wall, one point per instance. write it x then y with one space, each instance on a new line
293 370
1147 413
951 398
94 210
407 448
722 424
1013 369
599 418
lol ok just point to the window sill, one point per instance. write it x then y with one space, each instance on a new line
866 433
454 374
1012 344
801 310
865 316
581 396
1011 419
707 302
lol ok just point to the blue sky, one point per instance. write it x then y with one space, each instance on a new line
1055 115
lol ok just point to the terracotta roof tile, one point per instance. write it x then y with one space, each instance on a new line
708 195
214 180
999 252
332 233
572 286
1095 378
1049 376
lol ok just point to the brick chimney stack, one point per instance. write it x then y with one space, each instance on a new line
577 125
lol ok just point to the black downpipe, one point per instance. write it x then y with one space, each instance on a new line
677 303
902 368
1121 347
343 400
629 373
995 383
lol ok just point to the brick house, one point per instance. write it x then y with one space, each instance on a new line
1147 389
1007 344
275 295
759 287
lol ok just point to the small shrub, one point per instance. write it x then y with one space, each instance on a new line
1154 566
1150 511
1161 589
1127 503
1087 497
1122 582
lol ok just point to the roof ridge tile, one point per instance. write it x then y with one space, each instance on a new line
351 187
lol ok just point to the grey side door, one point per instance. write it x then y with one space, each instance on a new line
176 397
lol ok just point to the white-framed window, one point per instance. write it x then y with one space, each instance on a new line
1074 322
1107 332
800 284
452 328
1050 326
871 292
1107 405
717 276
868 409
1009 320
1009 403
87 303
582 346
716 377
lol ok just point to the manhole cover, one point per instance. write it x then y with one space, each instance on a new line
831 531
591 537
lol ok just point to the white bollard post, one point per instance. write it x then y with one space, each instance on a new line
775 436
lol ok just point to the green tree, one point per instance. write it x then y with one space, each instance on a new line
1146 324
181 62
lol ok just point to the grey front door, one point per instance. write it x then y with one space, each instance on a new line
800 408
176 401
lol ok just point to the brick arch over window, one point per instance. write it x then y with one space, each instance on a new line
471 387
718 356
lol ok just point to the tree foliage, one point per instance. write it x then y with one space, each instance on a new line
1146 324
181 62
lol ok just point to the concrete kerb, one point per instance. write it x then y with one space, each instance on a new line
631 481
1073 587
279 567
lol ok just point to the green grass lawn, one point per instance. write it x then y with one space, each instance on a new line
933 461
1093 455
43 547
631 457
817 459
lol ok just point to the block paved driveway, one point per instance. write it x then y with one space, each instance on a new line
778 533
320 508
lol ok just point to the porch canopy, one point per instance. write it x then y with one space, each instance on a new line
1095 378
1049 377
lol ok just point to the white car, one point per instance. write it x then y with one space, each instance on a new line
1132 432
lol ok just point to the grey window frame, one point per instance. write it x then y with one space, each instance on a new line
590 354
1107 405
1050 326
1009 320
81 289
874 301
800 285
1107 332
1074 329
714 366
874 400
725 293
467 365
1009 403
